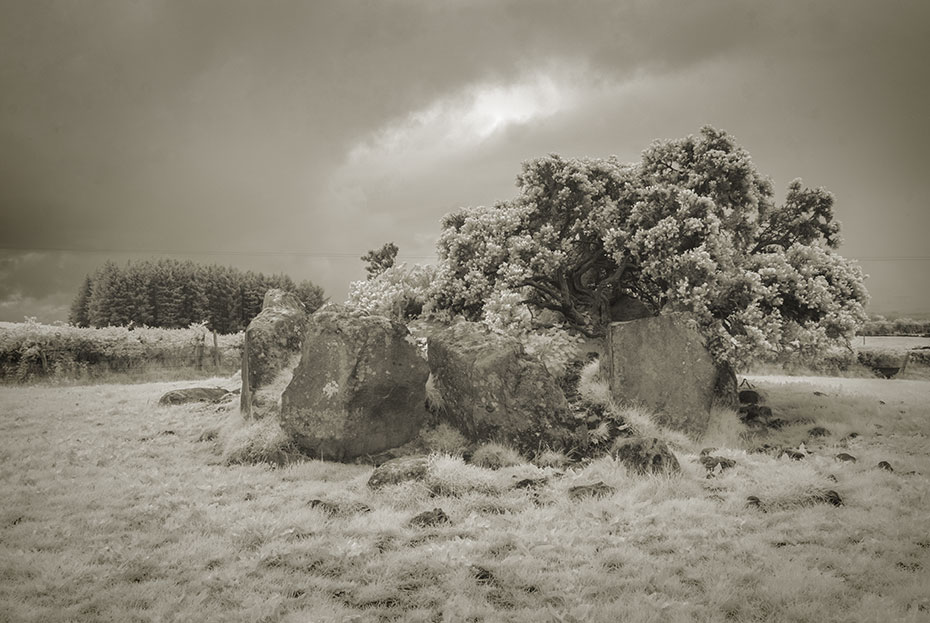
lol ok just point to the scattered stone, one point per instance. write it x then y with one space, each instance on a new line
397 471
711 463
881 402
531 483
327 507
818 431
193 394
819 394
755 413
492 390
332 508
644 357
430 518
794 455
885 465
754 502
832 478
598 490
842 456
707 451
776 424
645 455
209 435
360 387
166 433
749 397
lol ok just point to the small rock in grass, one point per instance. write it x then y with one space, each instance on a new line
818 431
754 413
645 455
832 478
209 435
430 518
794 455
530 483
754 502
707 451
397 471
819 394
710 463
193 394
842 456
327 507
332 508
598 490
885 465
749 397
776 424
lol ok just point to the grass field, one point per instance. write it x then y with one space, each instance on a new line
115 509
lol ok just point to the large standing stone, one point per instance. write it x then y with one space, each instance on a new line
360 387
663 364
493 391
271 351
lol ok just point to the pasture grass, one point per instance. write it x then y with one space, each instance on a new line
117 509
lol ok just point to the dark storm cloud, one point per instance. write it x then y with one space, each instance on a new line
219 126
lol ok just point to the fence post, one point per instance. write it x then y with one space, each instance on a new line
216 351
198 350
245 399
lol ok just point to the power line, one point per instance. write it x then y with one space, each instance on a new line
282 253
346 254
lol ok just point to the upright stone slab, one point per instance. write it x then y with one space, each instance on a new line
663 364
493 391
360 387
271 351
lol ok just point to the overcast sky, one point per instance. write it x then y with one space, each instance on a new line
294 136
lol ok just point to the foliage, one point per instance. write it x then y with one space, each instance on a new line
399 292
379 260
30 350
692 227
171 294
900 326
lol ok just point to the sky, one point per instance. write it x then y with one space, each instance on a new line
285 136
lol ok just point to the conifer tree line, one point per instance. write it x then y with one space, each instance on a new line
171 294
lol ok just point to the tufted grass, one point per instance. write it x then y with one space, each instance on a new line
114 511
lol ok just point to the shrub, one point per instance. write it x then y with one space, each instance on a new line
398 292
31 350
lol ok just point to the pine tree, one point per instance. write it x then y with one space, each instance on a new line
79 314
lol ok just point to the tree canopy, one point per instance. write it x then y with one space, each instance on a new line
379 260
692 226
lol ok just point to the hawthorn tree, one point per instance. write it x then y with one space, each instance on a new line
379 260
691 227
